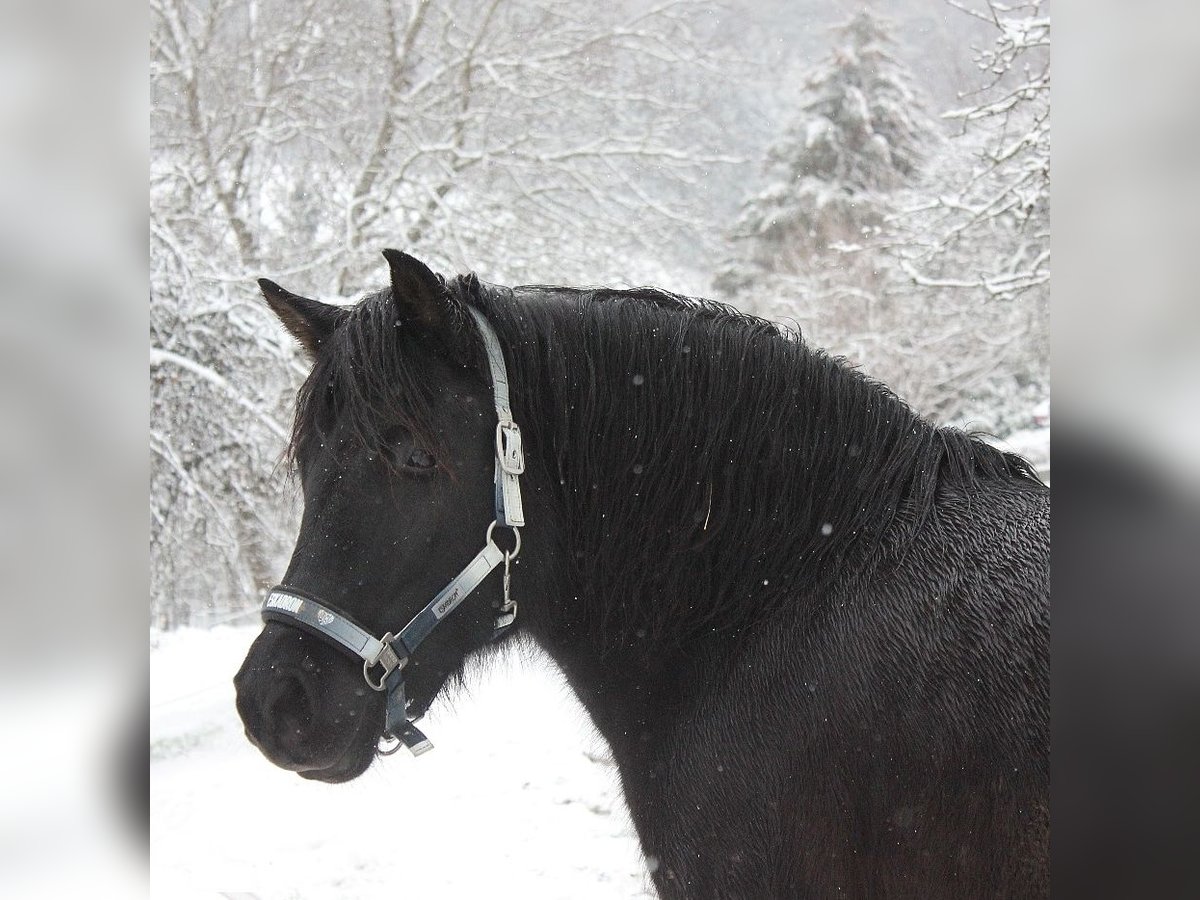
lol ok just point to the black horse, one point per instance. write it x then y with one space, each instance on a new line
812 627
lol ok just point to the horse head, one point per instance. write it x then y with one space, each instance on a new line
394 443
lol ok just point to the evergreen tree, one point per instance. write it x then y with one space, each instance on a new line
919 256
860 133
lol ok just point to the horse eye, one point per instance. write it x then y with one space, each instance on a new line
419 459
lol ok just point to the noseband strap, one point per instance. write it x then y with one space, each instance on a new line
384 658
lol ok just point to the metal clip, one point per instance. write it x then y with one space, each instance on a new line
386 657
509 450
508 612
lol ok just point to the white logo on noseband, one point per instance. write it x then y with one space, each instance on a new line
324 617
285 601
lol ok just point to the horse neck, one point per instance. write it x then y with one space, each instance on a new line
696 473
701 473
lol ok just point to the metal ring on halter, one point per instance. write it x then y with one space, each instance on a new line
390 750
516 534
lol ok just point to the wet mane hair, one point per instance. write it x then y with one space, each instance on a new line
703 462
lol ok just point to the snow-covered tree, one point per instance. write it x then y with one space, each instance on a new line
220 379
988 227
920 255
973 243
858 138
859 133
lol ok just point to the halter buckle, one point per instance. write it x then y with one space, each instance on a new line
386 657
509 450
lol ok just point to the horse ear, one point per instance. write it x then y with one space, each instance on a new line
420 295
309 321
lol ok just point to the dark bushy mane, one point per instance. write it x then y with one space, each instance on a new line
707 460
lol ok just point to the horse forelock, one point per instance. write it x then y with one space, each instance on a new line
366 378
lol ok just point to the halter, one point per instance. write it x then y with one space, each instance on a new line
384 658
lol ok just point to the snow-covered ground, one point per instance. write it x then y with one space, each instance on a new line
517 800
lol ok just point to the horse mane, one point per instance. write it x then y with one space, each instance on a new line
707 465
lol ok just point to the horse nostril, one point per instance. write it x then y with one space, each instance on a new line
289 708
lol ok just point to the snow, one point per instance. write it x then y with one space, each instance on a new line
518 798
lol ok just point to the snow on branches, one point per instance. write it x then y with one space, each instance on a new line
919 252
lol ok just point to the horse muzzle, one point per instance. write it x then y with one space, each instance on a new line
301 723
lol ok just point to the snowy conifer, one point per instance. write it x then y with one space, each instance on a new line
859 133
919 255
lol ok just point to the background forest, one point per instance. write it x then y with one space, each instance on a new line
877 175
